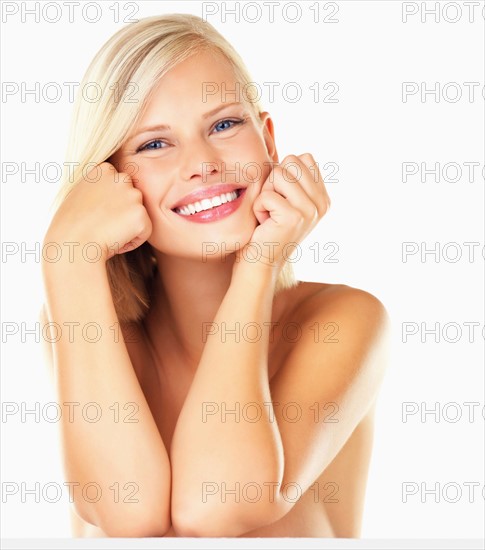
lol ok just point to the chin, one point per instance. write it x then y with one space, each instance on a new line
207 243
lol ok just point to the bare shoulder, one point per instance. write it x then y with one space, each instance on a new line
309 299
331 313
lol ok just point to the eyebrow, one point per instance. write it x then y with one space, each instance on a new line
160 127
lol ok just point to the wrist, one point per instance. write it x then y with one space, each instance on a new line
68 251
254 272
69 269
72 287
263 257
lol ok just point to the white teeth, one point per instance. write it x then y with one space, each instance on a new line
206 204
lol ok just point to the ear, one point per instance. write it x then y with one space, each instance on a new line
268 135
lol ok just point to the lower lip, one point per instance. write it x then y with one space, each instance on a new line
216 213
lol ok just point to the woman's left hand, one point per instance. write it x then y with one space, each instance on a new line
292 201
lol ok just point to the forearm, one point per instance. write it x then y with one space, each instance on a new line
111 450
212 447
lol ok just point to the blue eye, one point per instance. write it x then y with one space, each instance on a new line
148 146
233 122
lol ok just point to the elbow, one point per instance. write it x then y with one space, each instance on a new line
139 527
187 525
222 521
130 516
132 523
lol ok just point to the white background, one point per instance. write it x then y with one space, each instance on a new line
369 133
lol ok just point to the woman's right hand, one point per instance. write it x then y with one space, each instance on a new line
104 210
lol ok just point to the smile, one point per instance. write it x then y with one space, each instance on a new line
211 209
207 204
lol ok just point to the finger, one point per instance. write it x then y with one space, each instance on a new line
305 170
311 179
137 241
271 204
292 190
312 165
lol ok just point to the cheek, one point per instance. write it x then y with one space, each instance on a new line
151 185
141 175
251 161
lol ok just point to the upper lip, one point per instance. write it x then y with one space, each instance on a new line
206 193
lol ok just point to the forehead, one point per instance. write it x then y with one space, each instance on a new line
205 79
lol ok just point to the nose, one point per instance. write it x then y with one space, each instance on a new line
199 160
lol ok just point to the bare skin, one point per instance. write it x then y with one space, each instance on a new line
172 372
334 505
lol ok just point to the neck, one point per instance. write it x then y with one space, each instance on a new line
186 294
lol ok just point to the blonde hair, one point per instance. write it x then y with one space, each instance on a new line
133 60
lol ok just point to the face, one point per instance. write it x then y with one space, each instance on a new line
193 152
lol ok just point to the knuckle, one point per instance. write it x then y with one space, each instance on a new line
277 170
290 159
107 166
136 194
315 213
141 222
307 156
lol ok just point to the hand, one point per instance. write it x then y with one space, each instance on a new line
105 209
287 208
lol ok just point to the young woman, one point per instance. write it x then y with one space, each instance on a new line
234 401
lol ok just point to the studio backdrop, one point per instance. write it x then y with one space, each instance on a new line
388 97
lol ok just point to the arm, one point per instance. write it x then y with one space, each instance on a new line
320 376
104 452
209 450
